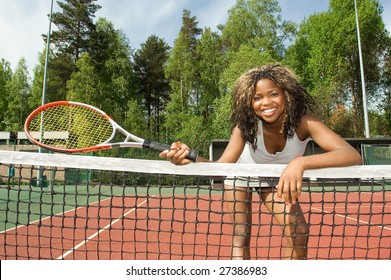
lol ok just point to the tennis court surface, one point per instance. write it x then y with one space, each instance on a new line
56 206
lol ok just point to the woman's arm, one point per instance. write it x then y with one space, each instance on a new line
179 151
337 153
234 148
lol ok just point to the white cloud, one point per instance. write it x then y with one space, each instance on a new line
140 19
21 27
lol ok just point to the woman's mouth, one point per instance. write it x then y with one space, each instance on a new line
268 112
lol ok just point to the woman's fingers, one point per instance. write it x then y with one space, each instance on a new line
291 190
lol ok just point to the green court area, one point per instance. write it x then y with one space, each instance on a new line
23 204
163 217
347 185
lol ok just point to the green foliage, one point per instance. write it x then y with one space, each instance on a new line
257 23
195 133
325 55
5 78
176 116
106 83
210 66
152 86
184 93
220 124
383 121
75 35
341 122
181 69
35 98
84 84
18 91
245 58
75 27
135 120
116 77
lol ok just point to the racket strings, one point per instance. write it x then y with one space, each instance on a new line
70 127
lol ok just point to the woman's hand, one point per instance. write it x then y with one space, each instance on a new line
177 154
290 183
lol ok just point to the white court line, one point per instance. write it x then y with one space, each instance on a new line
353 219
51 216
98 232
349 218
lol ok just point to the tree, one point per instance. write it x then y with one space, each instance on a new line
314 60
257 23
115 70
18 93
108 82
5 78
153 87
385 99
341 121
75 27
325 54
75 36
180 69
136 120
182 74
57 76
84 83
209 67
373 37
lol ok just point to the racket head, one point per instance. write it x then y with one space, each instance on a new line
70 127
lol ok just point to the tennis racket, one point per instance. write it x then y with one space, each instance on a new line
73 127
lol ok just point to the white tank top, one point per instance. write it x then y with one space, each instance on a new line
294 148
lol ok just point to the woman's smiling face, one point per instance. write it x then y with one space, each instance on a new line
269 101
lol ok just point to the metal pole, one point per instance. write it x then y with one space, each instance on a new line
45 75
364 95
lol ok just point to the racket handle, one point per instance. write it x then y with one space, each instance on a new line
157 146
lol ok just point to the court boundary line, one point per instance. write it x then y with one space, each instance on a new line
51 216
350 218
387 194
85 241
80 207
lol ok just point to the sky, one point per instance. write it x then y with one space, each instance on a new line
22 22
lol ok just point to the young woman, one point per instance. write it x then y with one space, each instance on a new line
272 124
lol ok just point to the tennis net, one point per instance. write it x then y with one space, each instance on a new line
55 206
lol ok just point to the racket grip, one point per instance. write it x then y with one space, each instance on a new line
157 146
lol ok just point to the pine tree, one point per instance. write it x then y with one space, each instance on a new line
153 87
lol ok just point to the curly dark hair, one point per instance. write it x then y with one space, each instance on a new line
244 117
